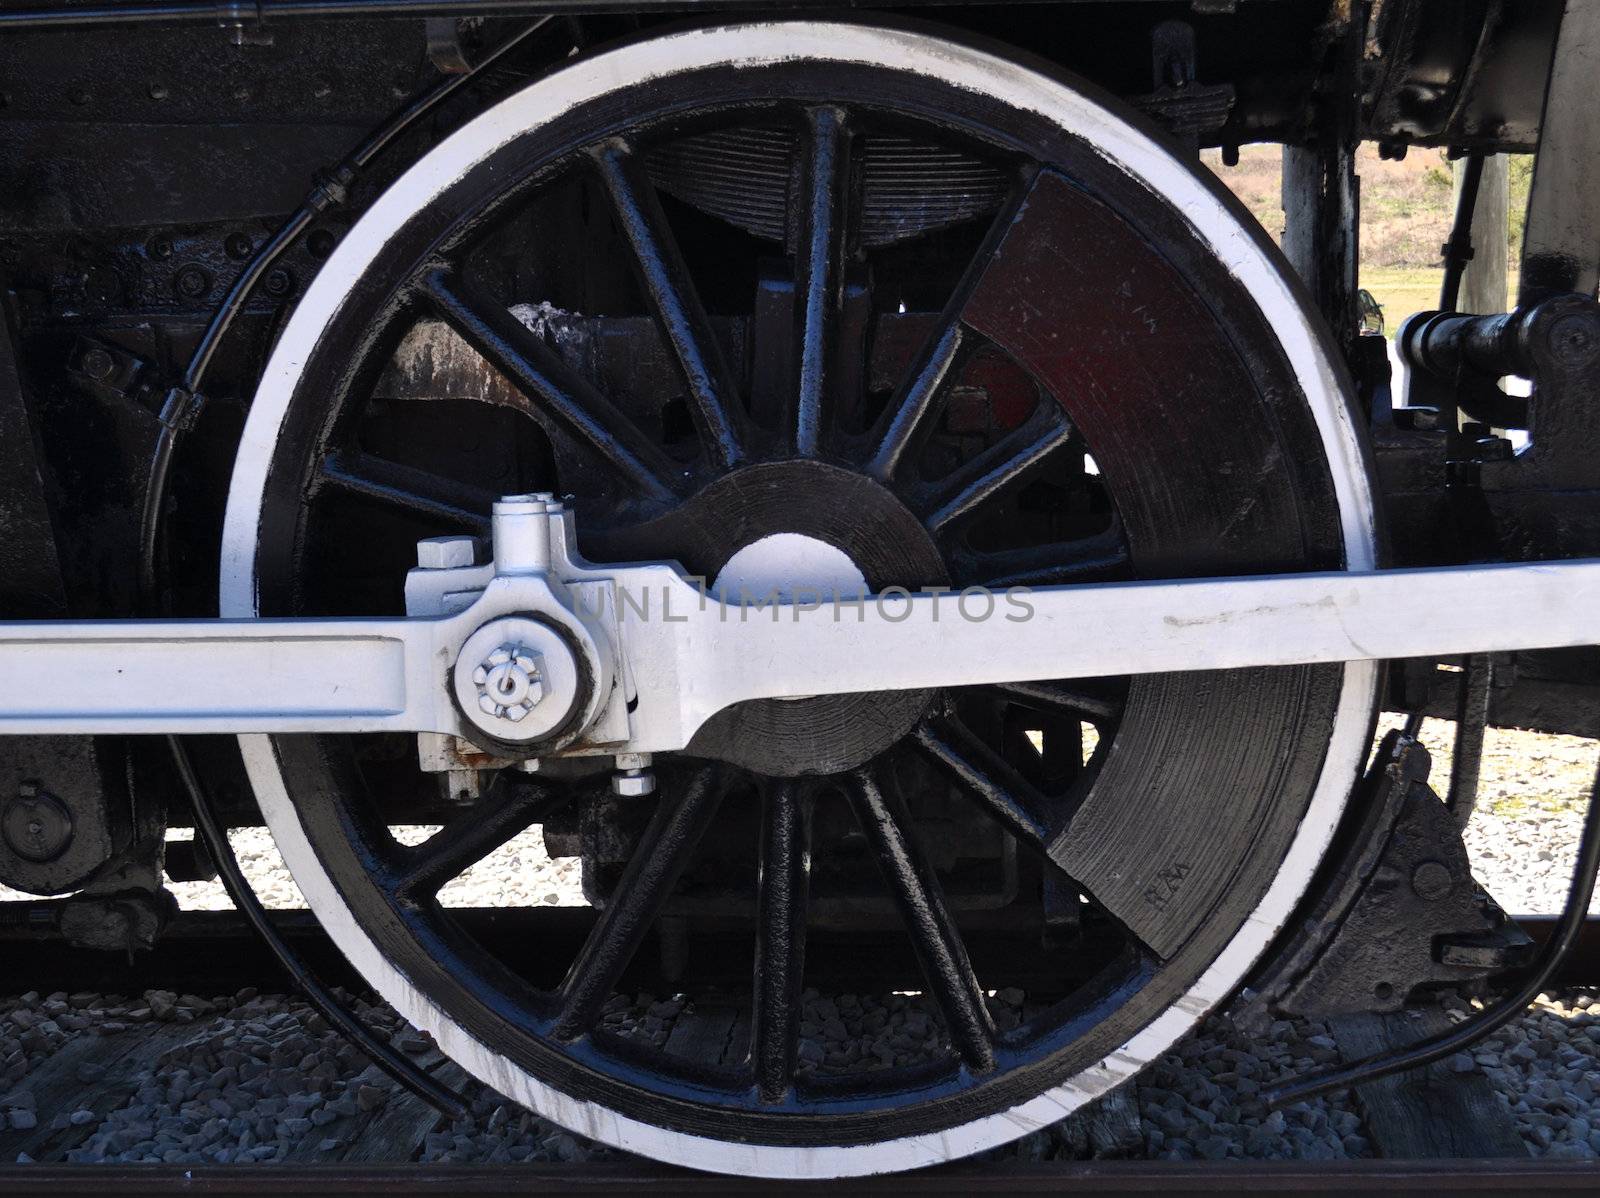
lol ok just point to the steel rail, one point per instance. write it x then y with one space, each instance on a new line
1082 1179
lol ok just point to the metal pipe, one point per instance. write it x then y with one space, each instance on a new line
1458 250
229 14
1468 1032
234 15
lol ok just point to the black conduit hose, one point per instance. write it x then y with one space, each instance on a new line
182 405
1469 1031
183 402
426 1087
233 14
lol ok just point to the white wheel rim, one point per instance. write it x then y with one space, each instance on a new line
758 45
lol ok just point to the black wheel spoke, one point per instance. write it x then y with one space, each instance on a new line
933 931
663 852
473 835
938 362
563 401
780 937
420 492
823 228
672 292
998 787
1071 697
1097 558
1001 466
919 397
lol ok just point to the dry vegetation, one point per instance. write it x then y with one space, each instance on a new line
1406 209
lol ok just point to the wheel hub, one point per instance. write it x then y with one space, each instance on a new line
804 525
789 567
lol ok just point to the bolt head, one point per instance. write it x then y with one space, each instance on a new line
446 553
1495 449
97 364
634 784
191 282
1432 881
524 665
36 825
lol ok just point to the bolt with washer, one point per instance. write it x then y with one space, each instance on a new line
634 778
97 364
36 825
510 682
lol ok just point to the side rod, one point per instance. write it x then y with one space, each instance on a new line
692 655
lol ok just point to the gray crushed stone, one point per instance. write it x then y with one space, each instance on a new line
1546 1068
263 1078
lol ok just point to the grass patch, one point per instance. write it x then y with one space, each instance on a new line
1402 290
1521 806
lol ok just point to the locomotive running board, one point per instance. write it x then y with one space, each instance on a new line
684 654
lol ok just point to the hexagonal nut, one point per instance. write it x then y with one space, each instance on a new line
446 553
634 784
510 682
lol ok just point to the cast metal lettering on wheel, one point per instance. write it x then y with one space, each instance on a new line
1165 887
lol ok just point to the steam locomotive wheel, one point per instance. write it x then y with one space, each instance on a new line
998 335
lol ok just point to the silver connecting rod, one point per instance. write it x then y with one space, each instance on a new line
295 675
688 655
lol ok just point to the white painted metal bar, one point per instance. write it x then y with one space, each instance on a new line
690 657
1153 627
1111 629
215 676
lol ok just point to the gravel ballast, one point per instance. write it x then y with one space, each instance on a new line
259 1077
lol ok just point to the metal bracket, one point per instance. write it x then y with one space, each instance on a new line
444 44
1403 912
245 22
1186 107
1544 500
